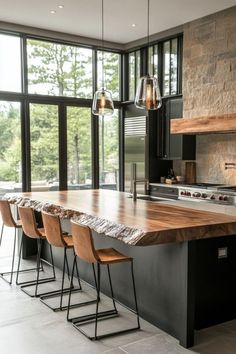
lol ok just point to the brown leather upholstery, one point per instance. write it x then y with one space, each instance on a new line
69 241
28 222
110 255
6 214
83 243
84 247
53 231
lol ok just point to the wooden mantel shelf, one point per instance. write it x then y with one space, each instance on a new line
224 123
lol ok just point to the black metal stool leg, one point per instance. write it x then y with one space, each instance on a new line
63 277
112 293
98 298
38 265
52 262
68 270
38 281
19 261
94 275
13 257
71 284
77 272
78 322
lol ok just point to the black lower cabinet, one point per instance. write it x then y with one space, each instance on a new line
215 281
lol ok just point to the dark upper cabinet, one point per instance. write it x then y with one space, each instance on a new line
173 146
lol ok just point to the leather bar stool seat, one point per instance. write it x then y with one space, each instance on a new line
31 230
85 250
9 221
57 238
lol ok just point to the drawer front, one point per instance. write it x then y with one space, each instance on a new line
164 192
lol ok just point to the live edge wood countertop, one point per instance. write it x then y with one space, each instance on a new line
139 223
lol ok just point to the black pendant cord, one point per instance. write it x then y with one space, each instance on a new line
103 45
148 33
148 29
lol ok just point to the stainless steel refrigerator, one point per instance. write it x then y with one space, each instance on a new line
135 150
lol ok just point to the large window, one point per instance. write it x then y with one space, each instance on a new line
10 63
170 67
134 72
109 151
163 62
44 147
110 72
57 69
79 169
10 147
153 60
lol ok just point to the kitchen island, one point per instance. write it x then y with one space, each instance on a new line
169 269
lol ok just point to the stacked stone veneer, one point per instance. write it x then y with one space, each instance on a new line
209 87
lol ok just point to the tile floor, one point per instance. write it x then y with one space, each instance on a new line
27 326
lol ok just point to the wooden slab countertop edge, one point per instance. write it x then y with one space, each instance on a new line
140 223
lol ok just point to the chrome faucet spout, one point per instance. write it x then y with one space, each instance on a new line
135 181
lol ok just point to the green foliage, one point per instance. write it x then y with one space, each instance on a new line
44 142
55 69
10 142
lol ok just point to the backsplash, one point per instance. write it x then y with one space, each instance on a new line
213 151
209 87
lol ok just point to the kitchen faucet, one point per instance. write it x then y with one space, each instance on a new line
135 181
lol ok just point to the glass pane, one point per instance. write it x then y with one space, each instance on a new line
166 81
131 75
138 67
57 69
10 147
155 60
79 148
44 147
174 66
111 72
150 60
109 151
10 63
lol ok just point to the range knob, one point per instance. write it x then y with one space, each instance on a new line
225 198
188 194
183 193
196 194
204 195
221 197
212 197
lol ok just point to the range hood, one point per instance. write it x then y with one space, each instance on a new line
225 123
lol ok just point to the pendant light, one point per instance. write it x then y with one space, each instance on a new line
148 93
102 100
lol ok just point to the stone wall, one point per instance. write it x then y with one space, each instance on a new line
209 87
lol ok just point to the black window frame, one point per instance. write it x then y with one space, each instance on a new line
26 98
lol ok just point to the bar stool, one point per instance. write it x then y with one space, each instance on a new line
8 220
30 229
84 249
57 238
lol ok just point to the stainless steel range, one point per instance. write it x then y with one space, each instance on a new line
214 193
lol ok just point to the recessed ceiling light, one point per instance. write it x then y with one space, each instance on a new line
52 12
133 24
60 6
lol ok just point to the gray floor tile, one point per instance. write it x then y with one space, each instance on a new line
158 344
27 326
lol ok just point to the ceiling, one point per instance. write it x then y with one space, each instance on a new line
83 18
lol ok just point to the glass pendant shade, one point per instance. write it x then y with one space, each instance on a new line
148 93
102 103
